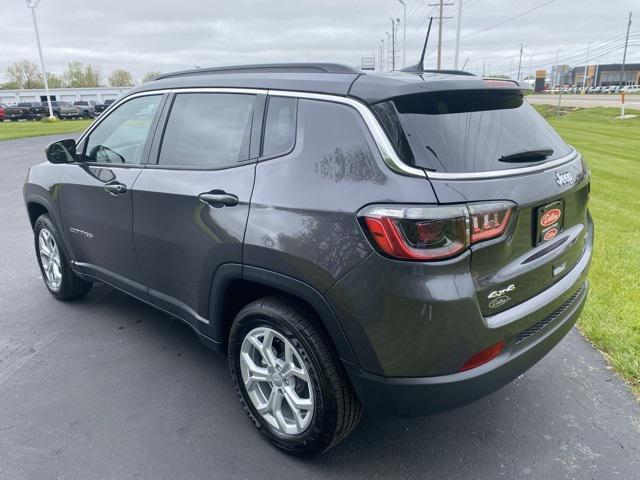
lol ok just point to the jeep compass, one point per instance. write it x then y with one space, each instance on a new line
404 241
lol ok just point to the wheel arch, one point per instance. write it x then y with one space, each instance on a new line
35 208
234 286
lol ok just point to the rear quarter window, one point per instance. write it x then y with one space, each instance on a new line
280 126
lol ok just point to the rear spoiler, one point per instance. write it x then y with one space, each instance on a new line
491 82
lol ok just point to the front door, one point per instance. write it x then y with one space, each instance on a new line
191 203
95 193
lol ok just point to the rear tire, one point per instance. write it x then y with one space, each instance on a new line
304 371
58 277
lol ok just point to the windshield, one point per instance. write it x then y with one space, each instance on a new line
475 131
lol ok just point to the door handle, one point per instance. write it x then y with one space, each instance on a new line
115 188
219 199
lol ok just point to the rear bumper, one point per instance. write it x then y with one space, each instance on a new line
416 396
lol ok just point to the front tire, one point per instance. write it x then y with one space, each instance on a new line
289 379
58 277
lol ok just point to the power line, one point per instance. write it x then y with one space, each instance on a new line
508 19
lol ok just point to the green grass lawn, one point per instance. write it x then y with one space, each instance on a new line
12 130
611 319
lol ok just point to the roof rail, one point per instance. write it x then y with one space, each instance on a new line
267 68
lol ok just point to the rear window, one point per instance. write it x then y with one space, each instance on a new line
472 131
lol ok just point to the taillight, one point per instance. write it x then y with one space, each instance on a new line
488 220
433 232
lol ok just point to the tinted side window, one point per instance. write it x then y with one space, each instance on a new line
120 137
208 130
280 126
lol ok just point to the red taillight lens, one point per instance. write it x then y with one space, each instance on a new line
433 232
418 233
489 220
484 356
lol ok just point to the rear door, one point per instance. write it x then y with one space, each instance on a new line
490 145
95 193
191 204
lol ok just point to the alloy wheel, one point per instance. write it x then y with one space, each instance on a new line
50 259
277 380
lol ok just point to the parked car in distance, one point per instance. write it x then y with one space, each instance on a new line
64 110
347 239
24 111
99 107
631 89
86 107
2 107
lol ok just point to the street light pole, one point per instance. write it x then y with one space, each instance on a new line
404 34
586 64
32 4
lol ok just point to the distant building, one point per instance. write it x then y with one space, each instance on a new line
606 75
99 94
560 75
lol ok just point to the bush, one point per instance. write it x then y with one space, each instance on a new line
50 120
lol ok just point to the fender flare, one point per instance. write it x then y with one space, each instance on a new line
227 273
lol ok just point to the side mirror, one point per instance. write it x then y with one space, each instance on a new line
62 151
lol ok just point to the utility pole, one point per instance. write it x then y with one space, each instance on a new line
624 56
404 34
441 6
32 4
586 65
388 52
458 27
393 43
484 67
560 92
382 54
555 72
520 60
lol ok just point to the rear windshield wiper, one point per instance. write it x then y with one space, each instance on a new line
528 156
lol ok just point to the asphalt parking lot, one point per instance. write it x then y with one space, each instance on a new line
109 388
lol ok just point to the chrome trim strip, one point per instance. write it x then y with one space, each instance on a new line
505 173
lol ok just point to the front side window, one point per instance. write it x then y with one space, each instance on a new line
208 130
120 138
280 126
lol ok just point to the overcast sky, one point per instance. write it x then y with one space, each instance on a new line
168 35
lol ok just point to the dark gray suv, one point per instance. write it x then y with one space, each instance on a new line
408 242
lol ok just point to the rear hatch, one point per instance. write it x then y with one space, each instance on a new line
487 145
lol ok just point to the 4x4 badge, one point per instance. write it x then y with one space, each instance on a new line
565 178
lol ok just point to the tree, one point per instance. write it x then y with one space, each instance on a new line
121 78
79 75
149 76
24 74
54 80
12 85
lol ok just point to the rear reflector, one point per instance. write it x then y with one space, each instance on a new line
484 356
433 232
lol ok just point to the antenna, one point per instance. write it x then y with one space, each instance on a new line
419 67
